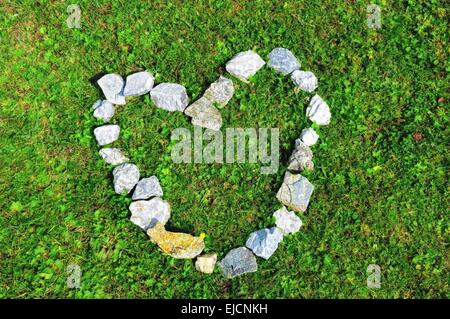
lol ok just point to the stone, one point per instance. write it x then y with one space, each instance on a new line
287 221
244 64
264 242
318 111
237 262
220 92
177 245
309 136
113 156
295 192
106 134
126 176
112 87
103 110
170 96
146 213
304 80
301 158
205 263
139 83
204 114
147 187
283 61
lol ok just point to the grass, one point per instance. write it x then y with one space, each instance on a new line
381 166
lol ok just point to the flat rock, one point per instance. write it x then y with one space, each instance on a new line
309 136
139 83
126 176
301 158
170 96
304 80
112 87
103 110
244 64
147 187
177 245
106 134
237 262
220 92
283 61
146 213
287 221
204 114
264 242
318 111
113 156
205 263
295 192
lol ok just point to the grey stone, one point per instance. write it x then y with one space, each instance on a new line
112 87
107 134
295 192
264 242
220 92
237 262
204 114
301 158
283 61
287 221
113 156
304 80
145 213
318 111
309 136
147 187
103 110
170 96
126 176
244 64
138 83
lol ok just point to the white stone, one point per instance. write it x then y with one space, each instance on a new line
287 221
283 61
205 263
170 96
244 64
113 156
295 192
107 134
264 242
220 92
309 136
145 213
318 111
301 157
126 176
304 80
204 114
103 110
147 187
112 87
138 83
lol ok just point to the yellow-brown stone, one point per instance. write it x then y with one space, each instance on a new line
177 245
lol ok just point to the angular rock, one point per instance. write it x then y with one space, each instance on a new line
126 177
170 96
220 92
264 242
113 156
295 192
177 245
304 80
112 87
244 64
106 134
237 262
204 114
205 263
147 187
283 61
287 221
301 158
138 83
309 136
103 110
146 213
318 111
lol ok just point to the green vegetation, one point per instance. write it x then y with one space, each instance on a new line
381 173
